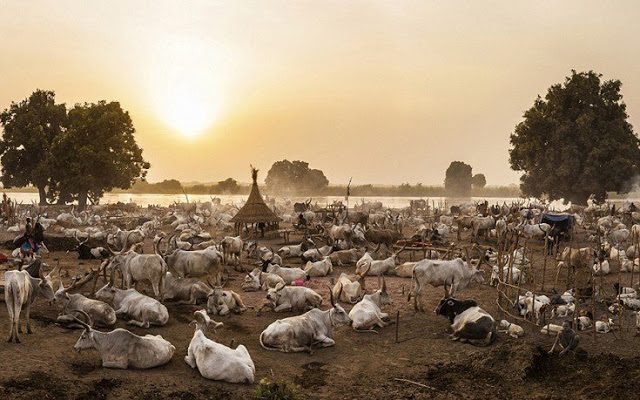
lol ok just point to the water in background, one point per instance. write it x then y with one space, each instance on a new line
164 200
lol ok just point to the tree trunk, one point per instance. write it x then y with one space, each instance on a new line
82 200
43 196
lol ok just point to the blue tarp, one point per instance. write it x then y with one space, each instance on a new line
557 218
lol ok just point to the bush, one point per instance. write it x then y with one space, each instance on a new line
268 390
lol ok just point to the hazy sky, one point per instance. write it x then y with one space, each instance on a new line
384 91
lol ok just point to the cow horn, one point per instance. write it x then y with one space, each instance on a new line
333 302
75 235
112 276
87 325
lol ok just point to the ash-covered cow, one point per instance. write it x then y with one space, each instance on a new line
302 332
454 275
142 310
469 323
21 290
123 349
214 360
293 298
258 280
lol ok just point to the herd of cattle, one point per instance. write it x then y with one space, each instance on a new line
189 266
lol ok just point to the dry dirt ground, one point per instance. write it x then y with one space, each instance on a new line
360 365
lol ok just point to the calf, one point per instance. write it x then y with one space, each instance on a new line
294 250
222 302
516 275
258 280
214 360
123 349
288 274
513 330
366 314
21 290
604 327
185 290
319 268
302 332
470 323
289 298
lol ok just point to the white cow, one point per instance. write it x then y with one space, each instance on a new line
142 310
214 360
366 314
302 332
319 268
123 349
454 275
21 290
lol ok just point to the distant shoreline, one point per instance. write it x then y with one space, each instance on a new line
404 190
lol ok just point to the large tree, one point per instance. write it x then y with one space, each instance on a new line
576 141
97 153
479 181
458 179
30 128
287 176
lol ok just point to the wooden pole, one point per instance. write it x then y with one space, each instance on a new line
397 324
617 295
544 264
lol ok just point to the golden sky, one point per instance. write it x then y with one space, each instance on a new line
384 91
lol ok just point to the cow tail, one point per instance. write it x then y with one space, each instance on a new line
264 346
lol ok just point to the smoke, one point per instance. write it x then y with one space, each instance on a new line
633 186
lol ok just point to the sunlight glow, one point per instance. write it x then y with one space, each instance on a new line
185 85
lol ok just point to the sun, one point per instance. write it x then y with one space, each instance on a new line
188 116
186 87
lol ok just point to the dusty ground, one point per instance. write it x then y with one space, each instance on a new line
359 366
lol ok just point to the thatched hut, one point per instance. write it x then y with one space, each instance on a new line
255 214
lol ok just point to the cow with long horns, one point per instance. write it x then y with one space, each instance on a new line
123 349
302 332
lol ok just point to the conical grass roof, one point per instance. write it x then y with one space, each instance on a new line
255 210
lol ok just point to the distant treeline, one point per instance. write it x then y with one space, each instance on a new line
230 186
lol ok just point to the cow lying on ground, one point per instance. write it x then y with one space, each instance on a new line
366 314
101 313
258 280
214 360
292 298
185 290
223 302
302 332
123 349
142 310
470 323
